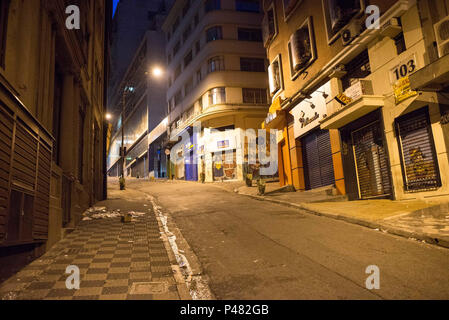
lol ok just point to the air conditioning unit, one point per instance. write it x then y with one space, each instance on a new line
392 28
351 32
442 36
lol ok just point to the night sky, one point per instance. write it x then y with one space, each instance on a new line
115 5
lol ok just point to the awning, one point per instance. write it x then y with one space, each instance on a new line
352 112
433 77
276 116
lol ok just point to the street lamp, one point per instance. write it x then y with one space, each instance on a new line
108 116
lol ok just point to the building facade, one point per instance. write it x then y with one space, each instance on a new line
137 95
141 95
217 77
52 102
352 100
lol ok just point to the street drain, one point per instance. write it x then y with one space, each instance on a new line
149 288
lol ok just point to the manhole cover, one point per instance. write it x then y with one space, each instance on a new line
149 288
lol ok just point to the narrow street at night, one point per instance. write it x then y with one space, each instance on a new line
249 249
224 158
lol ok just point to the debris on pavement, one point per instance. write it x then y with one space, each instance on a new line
103 213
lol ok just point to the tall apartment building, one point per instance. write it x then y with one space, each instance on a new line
341 93
52 102
217 76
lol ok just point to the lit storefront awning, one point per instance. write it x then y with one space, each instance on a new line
433 77
276 116
352 112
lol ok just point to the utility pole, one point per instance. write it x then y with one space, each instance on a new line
122 174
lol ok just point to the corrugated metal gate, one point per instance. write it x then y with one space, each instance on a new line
419 162
371 162
317 155
25 170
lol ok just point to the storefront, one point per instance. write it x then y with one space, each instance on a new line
317 157
417 149
224 165
313 143
365 159
191 164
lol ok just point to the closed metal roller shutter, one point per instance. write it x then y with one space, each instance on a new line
25 158
418 153
6 134
371 162
318 164
42 198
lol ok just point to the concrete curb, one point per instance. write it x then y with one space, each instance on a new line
369 224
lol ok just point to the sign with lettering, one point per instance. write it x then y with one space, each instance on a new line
309 112
403 69
402 90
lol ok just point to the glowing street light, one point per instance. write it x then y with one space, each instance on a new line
108 116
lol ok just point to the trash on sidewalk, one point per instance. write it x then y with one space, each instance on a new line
127 217
100 213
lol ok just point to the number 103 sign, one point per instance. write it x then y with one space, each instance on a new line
403 69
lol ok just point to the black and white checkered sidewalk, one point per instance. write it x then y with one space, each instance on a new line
116 261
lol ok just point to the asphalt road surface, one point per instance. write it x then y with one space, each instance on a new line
251 249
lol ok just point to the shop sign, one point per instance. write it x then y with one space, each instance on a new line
402 90
403 69
223 144
309 112
354 92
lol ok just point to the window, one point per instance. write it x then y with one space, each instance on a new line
177 98
301 48
176 48
188 87
245 34
199 76
57 108
186 33
177 72
211 5
214 33
188 59
251 95
217 95
197 47
358 68
338 13
215 64
175 25
247 5
275 75
289 6
4 10
196 20
269 28
186 8
252 64
81 144
399 41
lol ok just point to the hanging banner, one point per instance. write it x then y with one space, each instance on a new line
402 90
